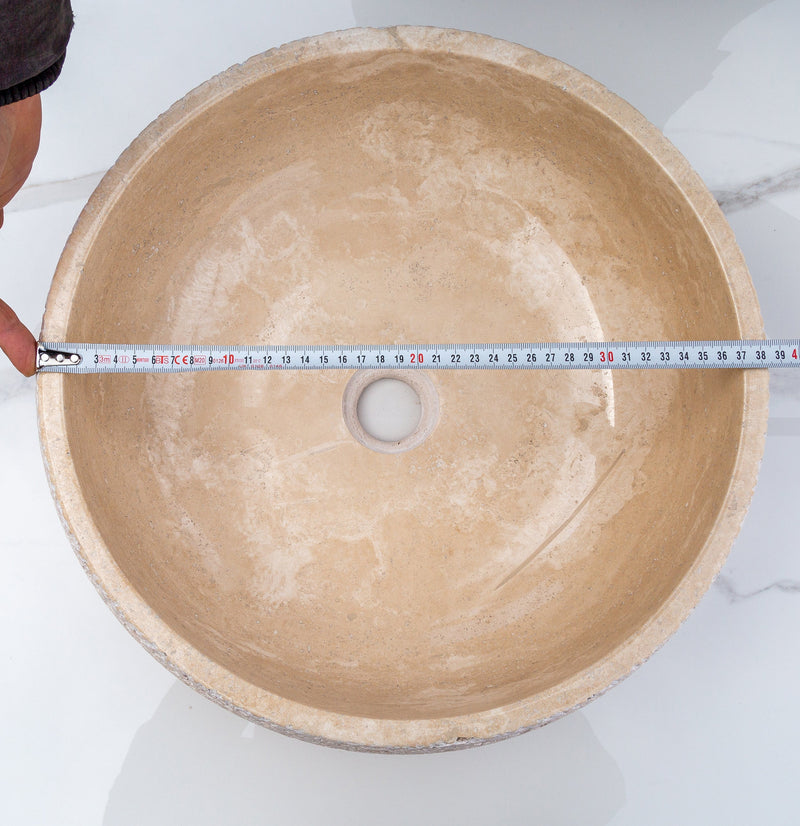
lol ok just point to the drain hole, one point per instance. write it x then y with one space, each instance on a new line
389 410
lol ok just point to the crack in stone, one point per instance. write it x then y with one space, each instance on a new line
554 535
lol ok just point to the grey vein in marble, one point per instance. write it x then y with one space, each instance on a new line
34 196
725 584
752 192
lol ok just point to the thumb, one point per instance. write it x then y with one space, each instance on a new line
17 341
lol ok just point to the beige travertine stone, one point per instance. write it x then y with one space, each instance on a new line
408 185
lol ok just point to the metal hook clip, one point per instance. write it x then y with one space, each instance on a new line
55 358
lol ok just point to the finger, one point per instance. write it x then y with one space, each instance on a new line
17 341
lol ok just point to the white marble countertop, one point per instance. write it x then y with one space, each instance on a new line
95 731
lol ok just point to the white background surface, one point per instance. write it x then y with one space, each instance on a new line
93 731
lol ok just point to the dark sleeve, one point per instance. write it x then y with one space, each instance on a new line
33 44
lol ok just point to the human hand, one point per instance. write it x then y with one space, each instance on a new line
20 126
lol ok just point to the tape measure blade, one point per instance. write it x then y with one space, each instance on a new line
619 355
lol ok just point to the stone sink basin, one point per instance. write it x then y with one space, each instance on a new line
541 533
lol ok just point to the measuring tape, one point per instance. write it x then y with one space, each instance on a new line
617 355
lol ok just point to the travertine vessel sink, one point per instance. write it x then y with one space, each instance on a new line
545 533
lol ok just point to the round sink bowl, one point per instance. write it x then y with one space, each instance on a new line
539 534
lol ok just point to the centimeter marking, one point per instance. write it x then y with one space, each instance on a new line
617 355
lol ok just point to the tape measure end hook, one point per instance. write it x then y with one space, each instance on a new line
47 357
